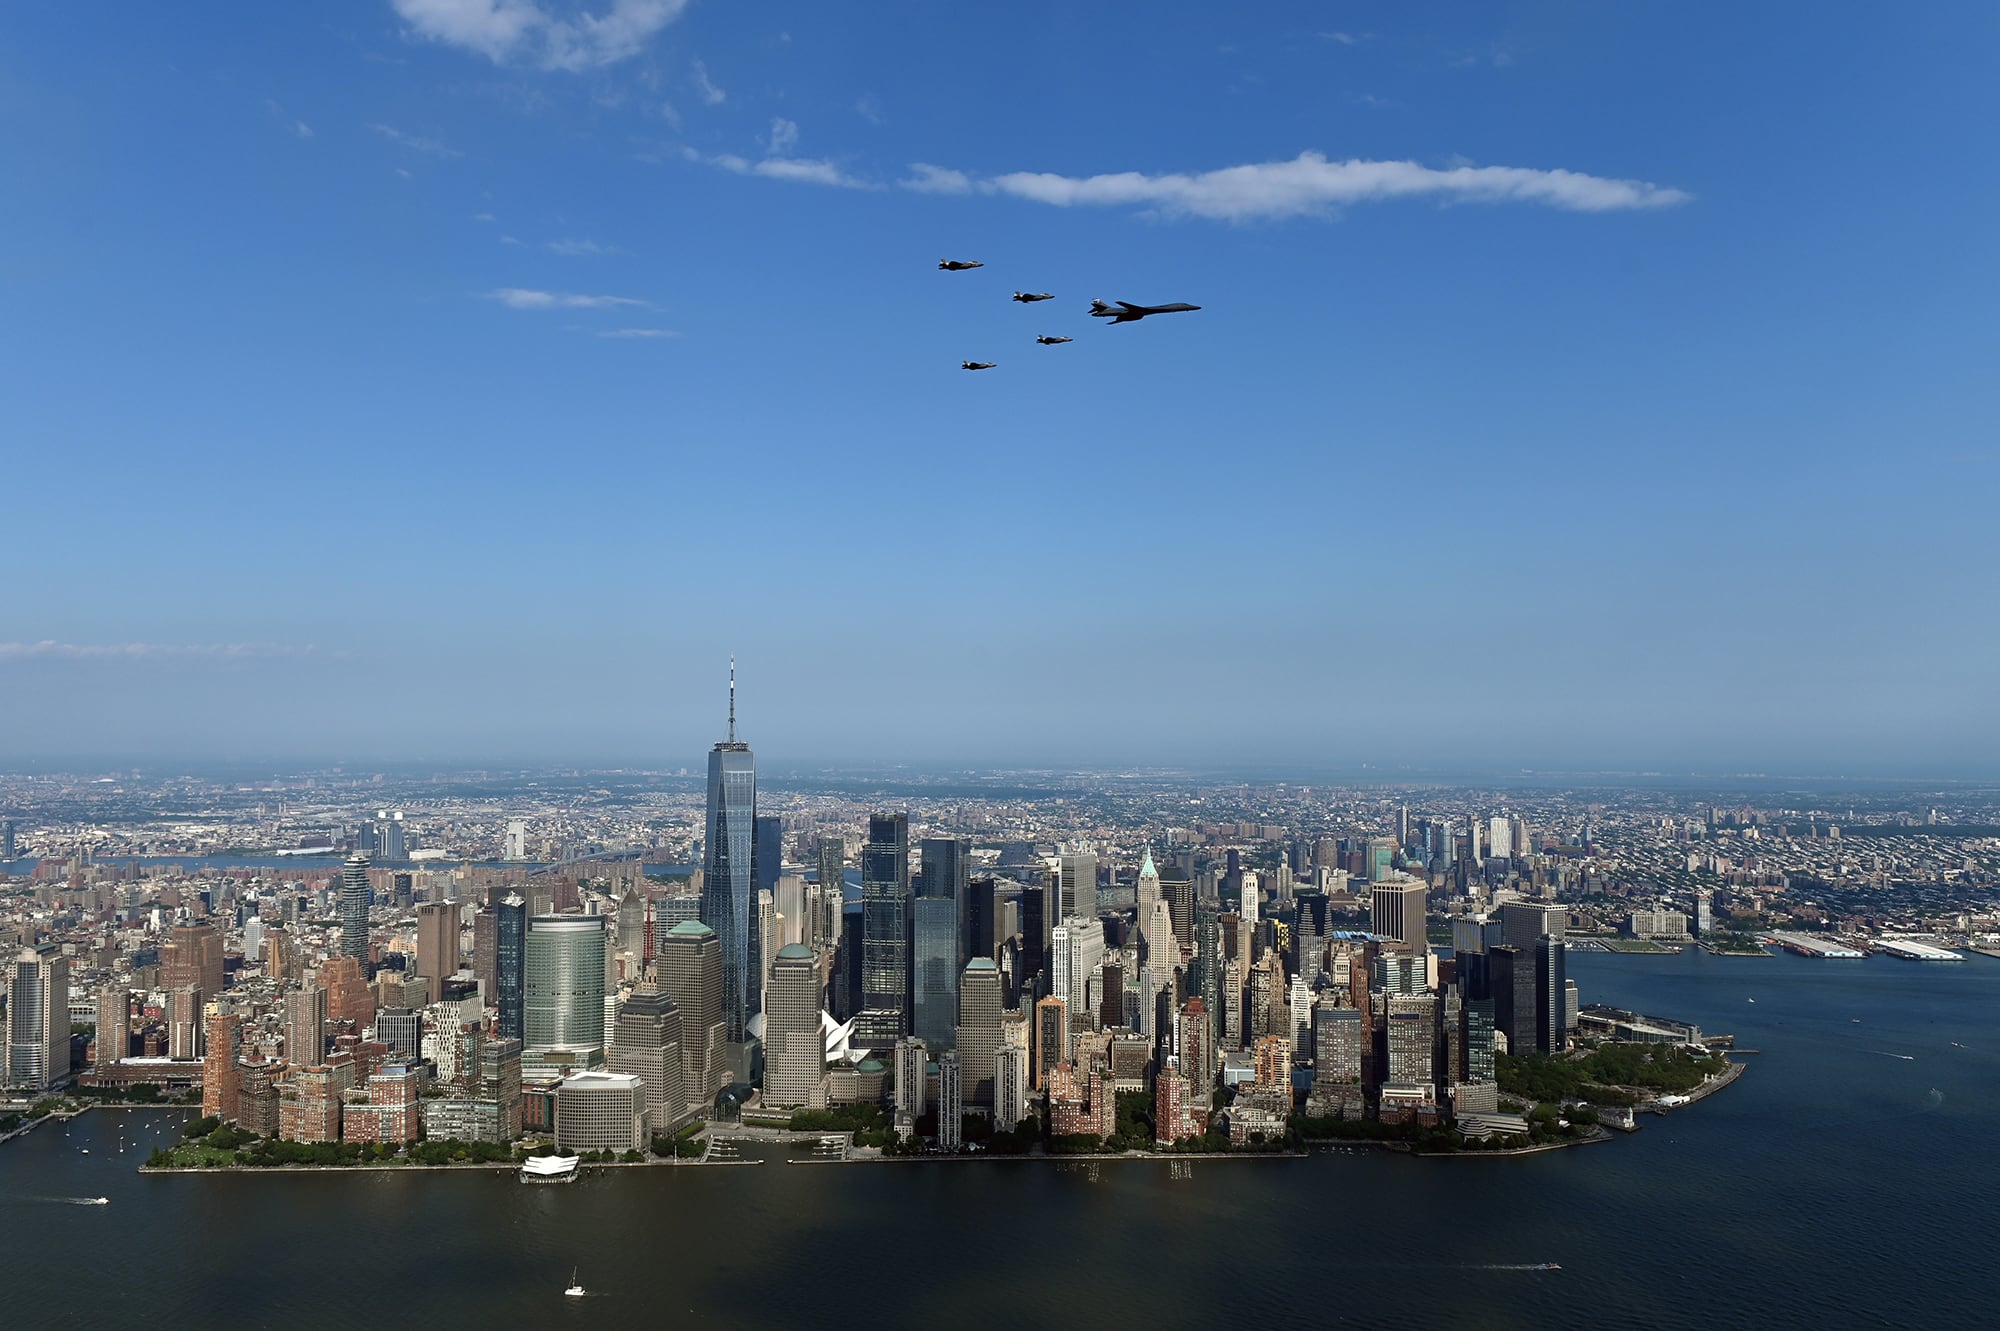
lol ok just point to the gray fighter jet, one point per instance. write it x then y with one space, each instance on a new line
1030 297
958 265
1048 341
1125 312
977 364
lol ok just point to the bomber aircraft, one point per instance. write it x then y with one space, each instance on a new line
1030 297
1048 341
958 265
1124 311
977 364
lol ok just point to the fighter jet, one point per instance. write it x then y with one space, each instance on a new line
1030 297
1048 341
958 265
1124 311
977 364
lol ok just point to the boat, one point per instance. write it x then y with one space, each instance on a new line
98 1201
1549 1266
575 1291
550 1168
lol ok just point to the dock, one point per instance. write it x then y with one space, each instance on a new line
1818 945
1912 950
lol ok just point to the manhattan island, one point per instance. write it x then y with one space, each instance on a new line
1211 987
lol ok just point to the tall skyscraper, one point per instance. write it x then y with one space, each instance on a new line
647 1045
982 926
689 958
1524 923
218 1073
437 940
1078 879
354 909
729 877
1551 1006
563 993
305 1025
885 923
946 874
1050 1038
510 959
1512 976
1034 940
825 930
951 1100
979 1006
114 1025
794 1049
191 958
769 853
1010 1087
38 1020
935 961
517 839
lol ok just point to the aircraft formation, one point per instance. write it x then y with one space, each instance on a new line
1117 312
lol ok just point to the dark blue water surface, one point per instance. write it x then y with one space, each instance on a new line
1845 1180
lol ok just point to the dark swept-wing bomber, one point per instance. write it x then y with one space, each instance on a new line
958 265
977 364
1048 341
1124 311
1030 297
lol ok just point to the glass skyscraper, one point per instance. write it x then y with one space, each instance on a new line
564 973
885 926
729 875
947 872
935 938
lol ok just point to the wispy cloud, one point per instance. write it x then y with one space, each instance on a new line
638 332
784 136
533 33
50 650
704 85
1340 38
521 298
302 129
415 142
482 217
868 109
1308 185
581 247
804 170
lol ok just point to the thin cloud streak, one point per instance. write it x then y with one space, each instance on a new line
416 142
1308 185
50 650
638 332
804 170
522 298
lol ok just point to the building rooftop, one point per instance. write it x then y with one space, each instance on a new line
690 929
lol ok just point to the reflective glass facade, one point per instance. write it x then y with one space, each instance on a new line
564 971
729 882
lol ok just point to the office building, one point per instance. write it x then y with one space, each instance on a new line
38 1020
934 945
1010 1087
191 958
500 1082
354 898
437 940
982 925
1077 886
885 923
563 982
510 960
184 1033
951 1101
402 1029
913 1063
1397 912
1500 837
1413 1038
769 852
1050 1038
1034 941
945 874
729 881
647 1045
600 1111
1512 977
1524 923
794 1048
979 1006
1551 994
689 962
517 839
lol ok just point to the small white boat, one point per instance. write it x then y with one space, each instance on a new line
100 1201
575 1291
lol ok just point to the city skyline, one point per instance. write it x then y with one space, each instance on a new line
1538 412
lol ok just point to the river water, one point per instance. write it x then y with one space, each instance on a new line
1844 1180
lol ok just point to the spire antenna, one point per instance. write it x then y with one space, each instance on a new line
732 699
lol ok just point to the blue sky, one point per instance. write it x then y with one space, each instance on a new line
1575 385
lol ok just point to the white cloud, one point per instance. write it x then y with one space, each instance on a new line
415 142
581 247
704 85
868 109
49 650
936 180
784 136
302 129
1344 38
534 33
804 170
1308 185
670 115
638 332
482 217
520 298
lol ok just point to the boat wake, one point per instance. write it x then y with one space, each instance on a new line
69 1201
1907 1058
1513 1266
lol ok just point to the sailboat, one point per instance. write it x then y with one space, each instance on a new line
575 1291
